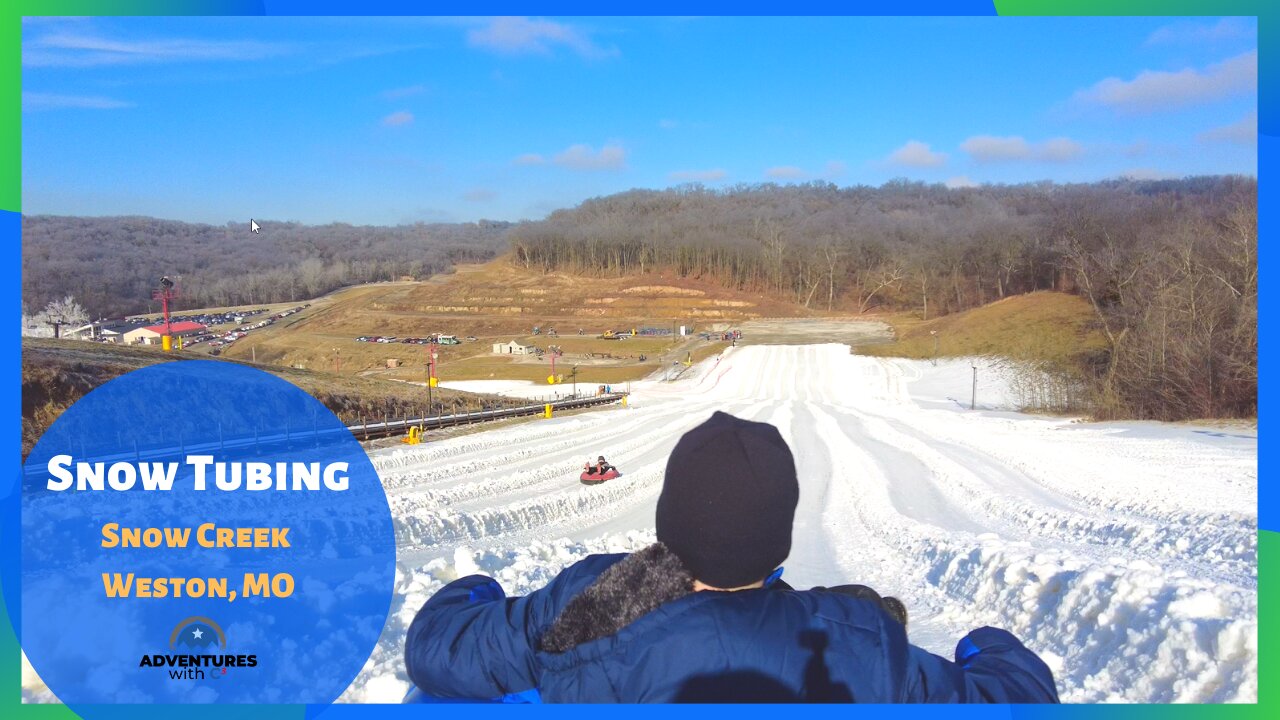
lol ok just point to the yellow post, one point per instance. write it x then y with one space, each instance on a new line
547 411
435 382
551 379
624 401
166 343
179 342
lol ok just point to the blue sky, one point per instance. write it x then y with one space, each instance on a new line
399 120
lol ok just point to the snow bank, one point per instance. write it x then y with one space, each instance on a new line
513 388
1116 630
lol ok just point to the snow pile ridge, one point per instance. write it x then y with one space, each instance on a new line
1122 631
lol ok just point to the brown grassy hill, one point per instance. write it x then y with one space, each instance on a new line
1044 326
498 297
498 302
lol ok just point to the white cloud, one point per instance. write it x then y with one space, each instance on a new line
395 119
1136 149
582 157
519 35
960 181
32 101
917 154
989 148
834 169
699 175
668 124
785 172
530 159
1059 149
1193 33
79 50
1241 132
1014 148
404 92
1155 90
1147 174
479 195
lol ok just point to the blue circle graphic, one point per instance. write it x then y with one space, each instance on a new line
201 532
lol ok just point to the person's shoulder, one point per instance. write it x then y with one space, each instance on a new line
575 578
595 563
786 610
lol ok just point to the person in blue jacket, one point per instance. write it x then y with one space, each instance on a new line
696 617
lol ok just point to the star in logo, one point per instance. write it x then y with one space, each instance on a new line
197 633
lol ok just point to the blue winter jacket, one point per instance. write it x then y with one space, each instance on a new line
470 641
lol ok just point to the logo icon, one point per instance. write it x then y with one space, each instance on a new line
197 633
197 651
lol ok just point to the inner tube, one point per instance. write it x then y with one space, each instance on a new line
596 479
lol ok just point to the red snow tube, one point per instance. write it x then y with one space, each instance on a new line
596 478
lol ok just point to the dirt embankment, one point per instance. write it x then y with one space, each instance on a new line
805 331
56 373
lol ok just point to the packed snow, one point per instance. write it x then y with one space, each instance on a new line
1123 553
516 388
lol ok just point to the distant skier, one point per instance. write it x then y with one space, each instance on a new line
700 615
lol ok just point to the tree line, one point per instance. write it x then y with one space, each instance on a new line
111 264
1169 267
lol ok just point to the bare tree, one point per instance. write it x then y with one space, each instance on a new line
62 312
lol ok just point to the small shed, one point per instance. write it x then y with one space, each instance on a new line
104 332
511 348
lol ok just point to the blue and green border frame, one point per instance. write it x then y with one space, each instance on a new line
10 295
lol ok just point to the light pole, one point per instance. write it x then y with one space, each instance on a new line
431 378
973 399
934 333
167 292
574 374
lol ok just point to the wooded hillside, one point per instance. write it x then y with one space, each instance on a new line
1169 267
111 264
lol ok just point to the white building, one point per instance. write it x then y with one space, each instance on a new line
512 348
98 331
151 334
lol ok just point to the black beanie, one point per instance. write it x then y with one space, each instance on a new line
728 501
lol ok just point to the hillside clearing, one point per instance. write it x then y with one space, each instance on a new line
1041 326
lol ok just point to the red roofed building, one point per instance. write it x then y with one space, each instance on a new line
151 334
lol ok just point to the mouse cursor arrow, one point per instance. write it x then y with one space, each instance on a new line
253 226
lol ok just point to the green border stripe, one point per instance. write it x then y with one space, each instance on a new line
11 113
1153 8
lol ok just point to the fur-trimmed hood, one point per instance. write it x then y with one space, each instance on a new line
634 587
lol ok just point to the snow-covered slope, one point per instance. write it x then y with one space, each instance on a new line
1124 553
